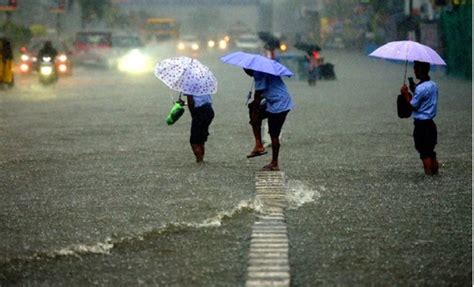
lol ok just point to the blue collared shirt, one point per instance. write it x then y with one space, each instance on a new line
425 101
274 91
199 101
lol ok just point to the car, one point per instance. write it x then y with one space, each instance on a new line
29 61
248 43
92 47
218 43
128 54
188 44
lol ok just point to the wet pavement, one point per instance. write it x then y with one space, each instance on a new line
96 189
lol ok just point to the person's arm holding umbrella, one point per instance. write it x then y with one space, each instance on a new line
191 105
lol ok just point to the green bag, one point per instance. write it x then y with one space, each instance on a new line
175 113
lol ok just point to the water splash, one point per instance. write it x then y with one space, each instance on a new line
299 194
106 246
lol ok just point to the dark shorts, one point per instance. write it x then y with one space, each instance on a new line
202 118
275 120
425 135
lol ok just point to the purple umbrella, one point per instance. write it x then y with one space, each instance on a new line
257 63
408 51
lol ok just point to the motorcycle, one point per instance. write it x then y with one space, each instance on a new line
47 70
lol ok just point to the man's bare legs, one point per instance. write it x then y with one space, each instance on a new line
273 165
198 150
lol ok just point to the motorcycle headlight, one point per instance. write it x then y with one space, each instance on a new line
211 44
46 70
24 57
195 47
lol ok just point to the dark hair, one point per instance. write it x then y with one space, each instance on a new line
423 67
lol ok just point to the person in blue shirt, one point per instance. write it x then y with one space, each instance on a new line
273 102
424 102
202 115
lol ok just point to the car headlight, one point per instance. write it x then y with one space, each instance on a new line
195 47
62 58
24 57
211 44
134 62
181 46
222 44
283 47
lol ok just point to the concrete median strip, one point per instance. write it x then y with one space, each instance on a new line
268 257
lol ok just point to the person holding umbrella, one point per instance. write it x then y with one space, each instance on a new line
269 87
424 102
197 82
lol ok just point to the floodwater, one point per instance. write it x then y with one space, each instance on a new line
96 189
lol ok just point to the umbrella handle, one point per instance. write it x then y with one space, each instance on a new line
405 75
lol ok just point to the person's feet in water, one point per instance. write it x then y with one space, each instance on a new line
257 152
271 167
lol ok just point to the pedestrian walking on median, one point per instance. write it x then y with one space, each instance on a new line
272 99
424 102
278 103
196 82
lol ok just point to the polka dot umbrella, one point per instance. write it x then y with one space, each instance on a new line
186 75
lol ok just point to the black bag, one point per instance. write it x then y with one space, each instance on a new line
403 107
327 71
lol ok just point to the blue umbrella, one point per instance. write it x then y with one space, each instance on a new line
257 63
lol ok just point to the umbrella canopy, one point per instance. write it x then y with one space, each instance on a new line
257 63
186 75
408 51
271 41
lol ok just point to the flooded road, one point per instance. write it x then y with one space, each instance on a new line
96 189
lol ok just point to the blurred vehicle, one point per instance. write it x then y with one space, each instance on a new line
248 43
218 43
29 56
188 44
160 28
128 54
92 48
48 73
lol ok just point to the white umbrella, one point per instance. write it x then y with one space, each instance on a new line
186 75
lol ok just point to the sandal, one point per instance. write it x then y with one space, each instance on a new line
256 153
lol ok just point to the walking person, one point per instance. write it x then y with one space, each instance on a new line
195 81
202 115
424 102
278 103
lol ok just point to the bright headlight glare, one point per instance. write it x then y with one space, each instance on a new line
134 62
181 46
195 47
46 70
62 58
24 67
25 57
211 44
222 44
62 68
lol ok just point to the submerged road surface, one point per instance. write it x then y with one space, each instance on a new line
96 189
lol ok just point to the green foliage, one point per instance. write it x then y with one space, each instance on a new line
18 35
